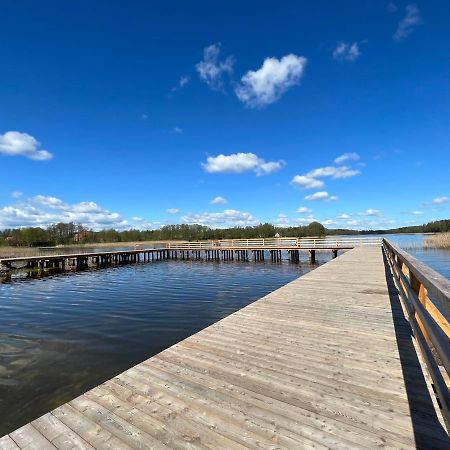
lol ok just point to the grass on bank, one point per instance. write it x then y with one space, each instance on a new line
16 252
441 240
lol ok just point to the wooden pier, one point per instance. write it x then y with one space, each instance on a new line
226 250
327 361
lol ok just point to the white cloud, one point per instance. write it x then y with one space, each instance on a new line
14 143
333 172
239 163
322 196
144 116
218 200
407 25
346 157
172 211
267 84
417 213
41 211
283 220
51 202
211 68
343 216
177 130
227 218
184 80
16 194
310 181
307 182
303 210
371 212
137 219
440 200
346 52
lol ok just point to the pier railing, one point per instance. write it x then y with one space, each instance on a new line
426 298
287 242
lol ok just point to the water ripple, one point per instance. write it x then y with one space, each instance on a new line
62 335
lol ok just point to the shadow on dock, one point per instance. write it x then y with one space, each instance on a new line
425 422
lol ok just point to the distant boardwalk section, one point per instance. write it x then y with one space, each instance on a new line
226 250
327 361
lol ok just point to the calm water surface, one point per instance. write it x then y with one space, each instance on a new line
437 259
62 335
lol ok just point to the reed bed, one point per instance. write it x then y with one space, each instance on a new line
441 240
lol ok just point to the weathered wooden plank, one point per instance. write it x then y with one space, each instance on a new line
6 443
59 434
27 437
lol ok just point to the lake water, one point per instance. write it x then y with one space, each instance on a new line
62 335
437 259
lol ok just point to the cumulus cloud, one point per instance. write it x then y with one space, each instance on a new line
310 179
172 211
211 68
416 213
371 212
283 220
343 216
16 194
407 25
41 211
322 196
346 157
303 210
307 182
346 52
267 84
51 202
218 200
239 163
14 143
440 200
227 218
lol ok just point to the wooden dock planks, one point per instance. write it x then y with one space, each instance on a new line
326 361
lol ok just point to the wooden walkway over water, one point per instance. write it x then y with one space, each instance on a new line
327 361
225 250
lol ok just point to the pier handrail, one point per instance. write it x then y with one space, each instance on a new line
425 293
294 242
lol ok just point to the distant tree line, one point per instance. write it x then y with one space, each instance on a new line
71 233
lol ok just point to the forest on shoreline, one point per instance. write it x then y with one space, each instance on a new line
71 233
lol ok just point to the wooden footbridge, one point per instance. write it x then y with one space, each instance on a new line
353 355
227 250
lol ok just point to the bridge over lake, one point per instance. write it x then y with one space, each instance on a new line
227 250
354 354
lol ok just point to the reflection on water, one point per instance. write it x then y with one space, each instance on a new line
62 335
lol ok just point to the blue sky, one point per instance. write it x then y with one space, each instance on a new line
137 114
